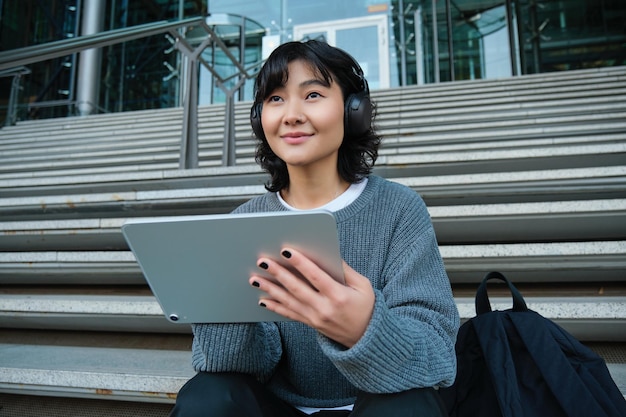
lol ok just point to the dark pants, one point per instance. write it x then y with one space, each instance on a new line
237 395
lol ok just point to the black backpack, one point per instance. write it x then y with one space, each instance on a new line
516 363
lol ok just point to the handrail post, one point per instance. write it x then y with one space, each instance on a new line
12 105
189 138
16 78
229 149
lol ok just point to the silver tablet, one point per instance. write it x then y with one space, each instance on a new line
198 266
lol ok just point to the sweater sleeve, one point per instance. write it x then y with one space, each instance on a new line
250 348
409 342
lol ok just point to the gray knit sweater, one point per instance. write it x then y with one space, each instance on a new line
386 235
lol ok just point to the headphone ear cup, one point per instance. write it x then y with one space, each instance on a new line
358 114
255 120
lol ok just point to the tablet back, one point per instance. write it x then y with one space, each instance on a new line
198 266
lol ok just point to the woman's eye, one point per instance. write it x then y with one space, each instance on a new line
274 99
314 95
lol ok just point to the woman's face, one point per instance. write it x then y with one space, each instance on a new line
303 120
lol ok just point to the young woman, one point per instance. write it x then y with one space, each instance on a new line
378 345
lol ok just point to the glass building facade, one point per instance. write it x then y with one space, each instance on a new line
397 42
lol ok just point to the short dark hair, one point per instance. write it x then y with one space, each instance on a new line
357 154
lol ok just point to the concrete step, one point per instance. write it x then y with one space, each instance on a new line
146 375
403 145
479 223
501 131
516 187
530 222
486 116
24 405
473 101
72 181
64 144
92 372
588 318
524 262
526 83
506 161
92 171
466 189
478 94
577 261
206 200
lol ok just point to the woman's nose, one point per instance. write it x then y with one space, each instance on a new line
293 114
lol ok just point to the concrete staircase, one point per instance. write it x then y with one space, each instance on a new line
526 176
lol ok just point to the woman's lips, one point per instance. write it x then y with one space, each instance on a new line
295 138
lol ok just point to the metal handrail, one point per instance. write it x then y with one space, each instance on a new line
56 49
11 59
21 70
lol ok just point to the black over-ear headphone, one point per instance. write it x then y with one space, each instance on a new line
255 120
357 113
357 119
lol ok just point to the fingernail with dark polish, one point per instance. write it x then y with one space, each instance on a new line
255 284
263 265
262 305
286 254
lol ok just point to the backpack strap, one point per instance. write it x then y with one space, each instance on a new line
482 298
498 354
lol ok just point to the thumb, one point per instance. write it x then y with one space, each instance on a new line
354 279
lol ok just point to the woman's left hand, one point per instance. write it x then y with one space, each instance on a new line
340 312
